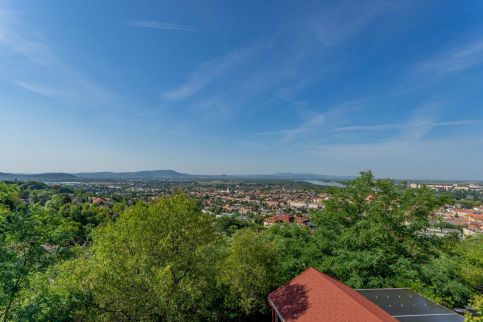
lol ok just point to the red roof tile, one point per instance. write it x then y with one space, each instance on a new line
465 211
475 216
279 218
313 296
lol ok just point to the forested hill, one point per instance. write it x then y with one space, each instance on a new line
63 177
159 175
45 177
136 175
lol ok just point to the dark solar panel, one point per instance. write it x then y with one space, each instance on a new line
409 306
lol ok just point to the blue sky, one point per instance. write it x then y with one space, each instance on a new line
330 87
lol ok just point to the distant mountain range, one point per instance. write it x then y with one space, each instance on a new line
160 175
38 177
137 175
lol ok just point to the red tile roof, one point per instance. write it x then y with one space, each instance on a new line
478 217
464 211
279 218
301 220
313 296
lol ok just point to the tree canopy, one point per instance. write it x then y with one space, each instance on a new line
64 259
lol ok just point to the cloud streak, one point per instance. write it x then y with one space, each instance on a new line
40 89
314 123
394 150
410 144
343 21
467 56
161 25
210 71
283 74
40 55
394 126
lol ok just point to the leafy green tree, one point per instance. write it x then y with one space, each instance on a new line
296 243
50 297
454 275
156 262
469 257
87 216
229 225
371 233
64 260
9 197
33 185
477 304
250 271
439 280
30 240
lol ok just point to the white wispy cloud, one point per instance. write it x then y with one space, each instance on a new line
307 127
456 59
209 72
365 150
283 74
17 39
41 89
429 158
161 25
393 126
345 19
34 50
317 122
410 142
409 139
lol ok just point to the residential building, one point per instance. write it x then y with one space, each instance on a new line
313 296
285 219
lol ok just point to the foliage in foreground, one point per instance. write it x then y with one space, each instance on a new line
167 261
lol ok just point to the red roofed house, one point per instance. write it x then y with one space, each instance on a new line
313 296
98 200
302 221
475 217
277 219
463 212
285 218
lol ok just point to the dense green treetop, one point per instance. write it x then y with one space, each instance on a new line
64 258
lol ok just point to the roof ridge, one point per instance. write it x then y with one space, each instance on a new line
345 291
290 281
349 292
